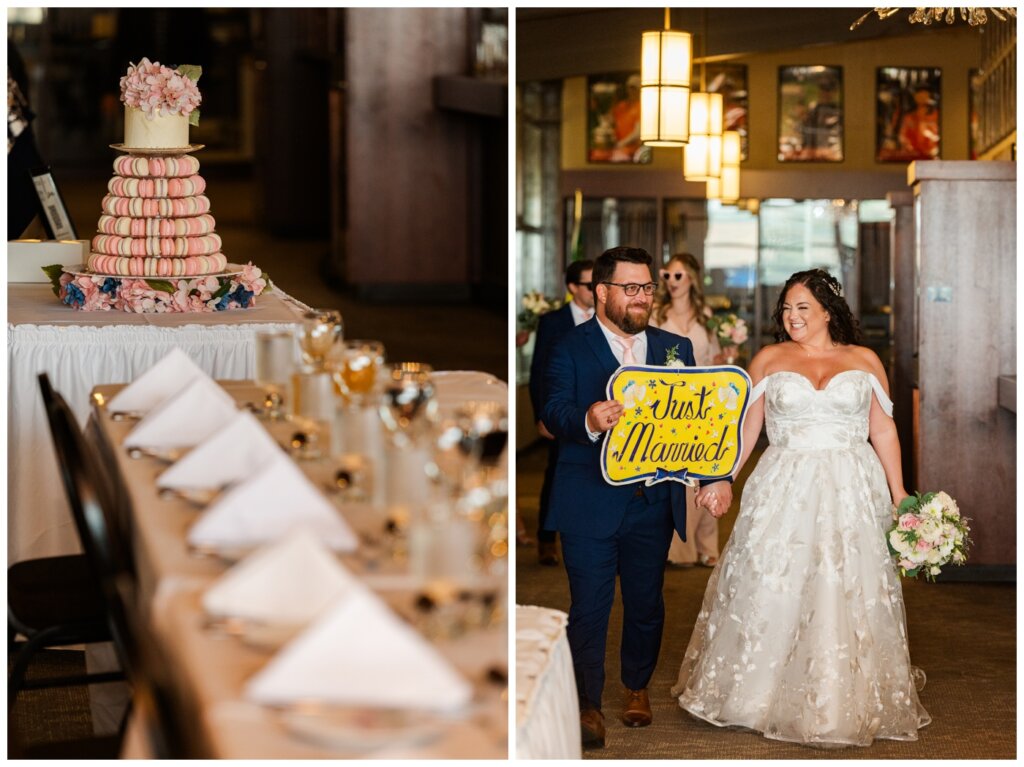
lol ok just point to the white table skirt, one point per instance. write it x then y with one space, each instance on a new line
547 706
80 350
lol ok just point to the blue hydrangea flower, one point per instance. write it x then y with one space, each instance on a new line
73 295
109 286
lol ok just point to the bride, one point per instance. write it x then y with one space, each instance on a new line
802 634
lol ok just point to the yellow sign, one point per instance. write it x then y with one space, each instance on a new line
680 424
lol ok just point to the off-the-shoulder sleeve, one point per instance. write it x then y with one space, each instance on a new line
758 390
883 398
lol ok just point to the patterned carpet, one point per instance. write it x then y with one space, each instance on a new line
962 634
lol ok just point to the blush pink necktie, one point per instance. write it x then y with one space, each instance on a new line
627 350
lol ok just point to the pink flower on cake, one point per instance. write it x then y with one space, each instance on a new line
156 89
252 278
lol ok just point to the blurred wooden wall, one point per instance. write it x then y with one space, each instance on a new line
967 308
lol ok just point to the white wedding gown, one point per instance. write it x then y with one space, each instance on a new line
802 634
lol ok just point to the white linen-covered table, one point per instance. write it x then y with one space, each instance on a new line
547 706
212 669
79 350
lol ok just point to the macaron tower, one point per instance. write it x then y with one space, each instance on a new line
156 221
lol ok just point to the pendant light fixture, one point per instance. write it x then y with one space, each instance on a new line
702 157
666 64
727 187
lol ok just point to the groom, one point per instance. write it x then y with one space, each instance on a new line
610 530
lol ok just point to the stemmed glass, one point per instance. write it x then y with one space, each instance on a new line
356 373
407 399
321 330
275 363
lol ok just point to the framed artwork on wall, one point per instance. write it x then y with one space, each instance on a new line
907 114
810 114
613 119
973 120
731 81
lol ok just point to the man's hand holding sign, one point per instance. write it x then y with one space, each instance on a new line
680 424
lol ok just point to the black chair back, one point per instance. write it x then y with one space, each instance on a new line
86 486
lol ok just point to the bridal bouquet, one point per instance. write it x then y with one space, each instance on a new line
928 533
730 329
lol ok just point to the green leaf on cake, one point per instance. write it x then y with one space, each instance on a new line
53 273
191 71
193 117
225 286
162 285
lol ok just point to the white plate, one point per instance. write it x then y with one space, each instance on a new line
168 152
258 634
360 729
81 270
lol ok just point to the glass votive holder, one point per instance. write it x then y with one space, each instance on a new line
313 409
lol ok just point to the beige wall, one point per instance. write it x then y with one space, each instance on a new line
955 51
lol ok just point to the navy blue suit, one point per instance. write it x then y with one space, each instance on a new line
550 329
607 530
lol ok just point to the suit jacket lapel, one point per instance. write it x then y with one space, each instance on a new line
655 355
599 345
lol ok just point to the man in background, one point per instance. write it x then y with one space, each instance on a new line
550 329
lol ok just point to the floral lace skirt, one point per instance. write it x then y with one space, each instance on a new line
802 633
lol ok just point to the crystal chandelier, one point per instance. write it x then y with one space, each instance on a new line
973 16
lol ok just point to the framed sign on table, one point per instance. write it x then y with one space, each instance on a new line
810 114
613 119
907 116
52 210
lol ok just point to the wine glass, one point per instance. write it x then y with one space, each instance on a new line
473 437
357 371
407 398
321 330
275 363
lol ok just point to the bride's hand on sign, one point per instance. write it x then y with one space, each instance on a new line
602 416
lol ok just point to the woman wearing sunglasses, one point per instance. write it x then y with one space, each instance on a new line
679 308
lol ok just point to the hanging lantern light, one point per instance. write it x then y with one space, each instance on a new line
727 187
702 157
666 61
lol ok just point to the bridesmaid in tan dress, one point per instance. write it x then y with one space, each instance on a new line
679 308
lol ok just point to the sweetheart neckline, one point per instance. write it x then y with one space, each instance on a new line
825 387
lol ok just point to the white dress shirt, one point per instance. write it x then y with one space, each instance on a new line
639 352
579 314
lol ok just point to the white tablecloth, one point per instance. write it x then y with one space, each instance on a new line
547 706
80 350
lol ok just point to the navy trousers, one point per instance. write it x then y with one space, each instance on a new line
636 553
544 534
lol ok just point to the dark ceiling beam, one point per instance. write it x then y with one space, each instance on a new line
552 43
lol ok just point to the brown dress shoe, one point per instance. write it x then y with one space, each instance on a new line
592 728
547 553
637 712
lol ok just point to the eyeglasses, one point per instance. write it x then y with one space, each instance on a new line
669 275
587 285
632 288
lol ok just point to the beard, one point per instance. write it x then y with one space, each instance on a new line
630 318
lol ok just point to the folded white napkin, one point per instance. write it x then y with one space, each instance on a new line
266 507
167 377
289 582
235 452
187 419
359 653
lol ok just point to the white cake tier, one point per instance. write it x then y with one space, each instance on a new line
140 132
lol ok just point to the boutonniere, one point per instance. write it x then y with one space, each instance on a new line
672 358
